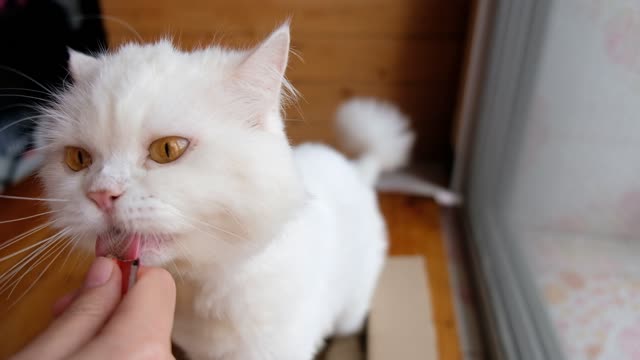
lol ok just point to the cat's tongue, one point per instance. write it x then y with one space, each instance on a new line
128 249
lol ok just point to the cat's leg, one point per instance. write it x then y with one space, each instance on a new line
286 341
355 310
278 349
353 316
201 339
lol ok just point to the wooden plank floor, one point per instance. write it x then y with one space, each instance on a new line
413 223
415 229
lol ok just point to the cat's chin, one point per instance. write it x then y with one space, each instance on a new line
150 248
157 258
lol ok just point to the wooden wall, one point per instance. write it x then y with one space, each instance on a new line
406 51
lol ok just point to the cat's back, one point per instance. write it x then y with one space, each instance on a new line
334 182
324 169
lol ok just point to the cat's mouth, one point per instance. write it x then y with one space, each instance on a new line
126 245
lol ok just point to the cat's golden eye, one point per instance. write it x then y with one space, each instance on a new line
168 149
77 158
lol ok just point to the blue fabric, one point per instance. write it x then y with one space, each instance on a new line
16 162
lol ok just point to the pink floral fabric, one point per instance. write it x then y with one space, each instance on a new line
592 287
572 194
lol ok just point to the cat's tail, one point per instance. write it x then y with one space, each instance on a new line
377 133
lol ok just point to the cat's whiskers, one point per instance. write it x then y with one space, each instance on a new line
26 89
59 252
19 121
18 72
211 226
230 213
175 268
42 246
11 106
185 252
24 235
6 257
80 260
12 197
74 240
23 96
28 217
205 232
38 149
39 246
54 248
173 263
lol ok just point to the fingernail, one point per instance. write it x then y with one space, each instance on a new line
99 272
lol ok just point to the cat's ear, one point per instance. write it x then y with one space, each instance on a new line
262 71
81 65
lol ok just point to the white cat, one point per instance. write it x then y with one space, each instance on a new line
182 159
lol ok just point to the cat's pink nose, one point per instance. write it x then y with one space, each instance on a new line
104 199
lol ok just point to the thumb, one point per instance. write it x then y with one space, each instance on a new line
83 318
140 327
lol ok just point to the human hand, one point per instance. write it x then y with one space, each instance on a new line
97 323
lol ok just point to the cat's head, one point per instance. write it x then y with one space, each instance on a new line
187 151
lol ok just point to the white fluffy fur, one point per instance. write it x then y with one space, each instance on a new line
379 131
273 248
